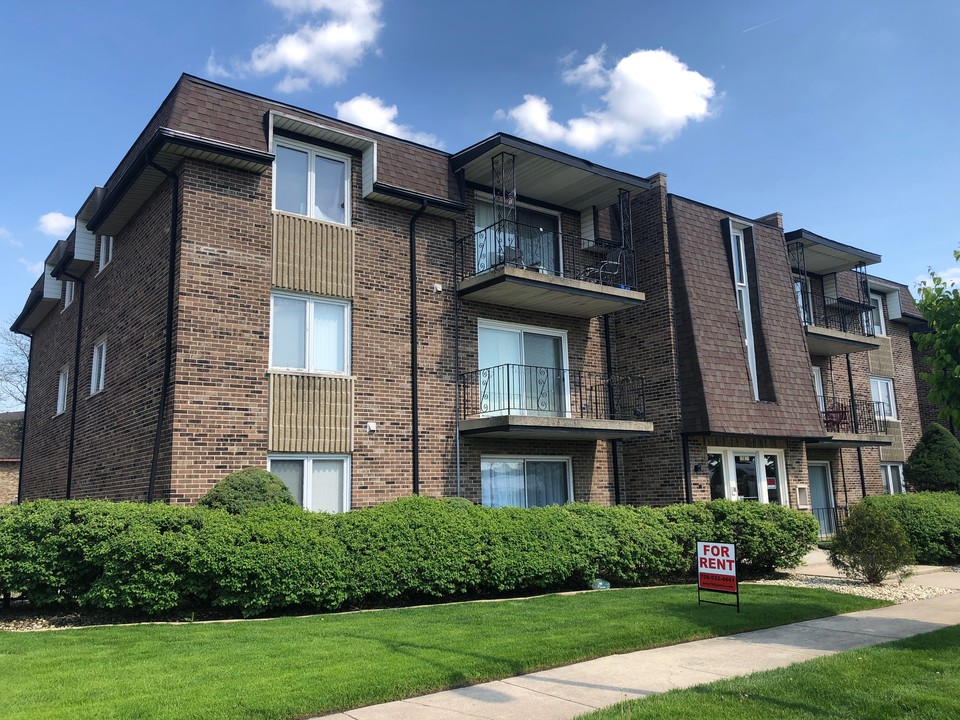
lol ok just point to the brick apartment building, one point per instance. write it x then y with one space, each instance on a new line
257 284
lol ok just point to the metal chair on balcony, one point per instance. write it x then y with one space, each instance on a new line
605 269
512 256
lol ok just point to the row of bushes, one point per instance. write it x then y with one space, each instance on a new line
931 521
157 558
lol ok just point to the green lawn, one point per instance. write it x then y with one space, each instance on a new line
298 667
915 678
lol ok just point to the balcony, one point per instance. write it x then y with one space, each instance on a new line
853 423
835 326
527 401
527 267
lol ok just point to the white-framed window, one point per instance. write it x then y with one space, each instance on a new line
818 387
747 474
309 333
525 481
801 288
320 483
69 293
311 181
884 402
873 320
523 370
106 251
893 478
99 366
742 288
63 387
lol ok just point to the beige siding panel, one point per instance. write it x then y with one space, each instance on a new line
312 256
311 414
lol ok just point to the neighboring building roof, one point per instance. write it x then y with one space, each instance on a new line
11 427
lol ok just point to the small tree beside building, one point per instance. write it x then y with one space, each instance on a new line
934 463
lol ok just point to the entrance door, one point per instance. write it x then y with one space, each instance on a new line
745 468
821 498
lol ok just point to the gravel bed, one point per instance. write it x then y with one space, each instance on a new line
893 593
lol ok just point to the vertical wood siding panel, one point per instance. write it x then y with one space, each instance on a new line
311 414
312 256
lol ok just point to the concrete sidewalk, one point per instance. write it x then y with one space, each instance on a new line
569 691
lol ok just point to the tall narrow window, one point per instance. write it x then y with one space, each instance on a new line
873 319
312 182
742 287
893 478
69 292
99 367
63 386
881 391
106 250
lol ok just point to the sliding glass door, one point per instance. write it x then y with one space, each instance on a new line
522 372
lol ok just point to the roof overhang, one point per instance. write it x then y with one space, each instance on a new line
823 256
166 150
546 174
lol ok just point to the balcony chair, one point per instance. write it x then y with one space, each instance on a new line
605 269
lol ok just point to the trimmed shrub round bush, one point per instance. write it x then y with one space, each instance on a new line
246 489
871 545
934 464
931 521
768 536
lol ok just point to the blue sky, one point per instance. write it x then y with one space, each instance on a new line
840 114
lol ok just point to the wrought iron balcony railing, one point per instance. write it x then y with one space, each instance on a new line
841 415
830 519
835 313
510 244
550 392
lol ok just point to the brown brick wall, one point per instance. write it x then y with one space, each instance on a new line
9 478
114 435
223 324
646 346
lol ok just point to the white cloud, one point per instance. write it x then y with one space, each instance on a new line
647 98
215 69
330 37
55 224
951 276
33 268
373 113
7 236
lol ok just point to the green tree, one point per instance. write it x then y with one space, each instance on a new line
940 304
934 463
871 545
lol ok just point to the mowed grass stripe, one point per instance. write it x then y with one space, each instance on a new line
297 667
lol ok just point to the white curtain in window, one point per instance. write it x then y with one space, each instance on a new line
291 472
326 486
501 483
329 188
289 333
328 337
546 483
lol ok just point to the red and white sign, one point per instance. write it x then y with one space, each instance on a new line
717 567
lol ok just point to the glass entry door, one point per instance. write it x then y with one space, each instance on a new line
533 242
821 498
745 469
521 373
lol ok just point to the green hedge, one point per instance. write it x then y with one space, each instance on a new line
152 559
931 521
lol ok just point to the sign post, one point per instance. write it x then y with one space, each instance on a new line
717 571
